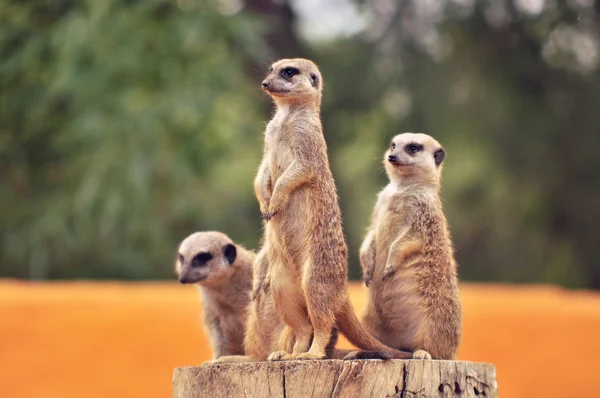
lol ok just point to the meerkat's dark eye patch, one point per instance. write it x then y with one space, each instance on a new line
413 148
230 253
201 258
439 156
315 79
289 72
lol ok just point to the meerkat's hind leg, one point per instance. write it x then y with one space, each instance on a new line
287 339
303 339
318 348
297 328
421 354
323 322
287 342
291 308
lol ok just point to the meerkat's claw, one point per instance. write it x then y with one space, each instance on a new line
268 215
351 356
309 356
387 274
279 356
421 354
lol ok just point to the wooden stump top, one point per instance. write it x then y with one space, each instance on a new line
337 378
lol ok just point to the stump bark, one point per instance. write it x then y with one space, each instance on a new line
336 378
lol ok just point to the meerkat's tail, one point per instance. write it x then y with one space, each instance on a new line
356 333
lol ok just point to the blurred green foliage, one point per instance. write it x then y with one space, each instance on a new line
127 125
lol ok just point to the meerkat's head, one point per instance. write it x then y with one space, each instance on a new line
293 79
205 258
417 157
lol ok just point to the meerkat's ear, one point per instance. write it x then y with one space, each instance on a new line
230 253
314 79
439 156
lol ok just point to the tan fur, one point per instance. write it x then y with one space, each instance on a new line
224 282
407 256
264 327
306 251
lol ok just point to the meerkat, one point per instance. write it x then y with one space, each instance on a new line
264 327
307 253
222 271
407 255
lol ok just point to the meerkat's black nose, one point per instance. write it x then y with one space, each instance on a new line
265 84
183 280
392 158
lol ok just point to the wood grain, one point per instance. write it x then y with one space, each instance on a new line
336 378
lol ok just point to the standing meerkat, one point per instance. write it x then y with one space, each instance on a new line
307 253
407 255
222 271
264 327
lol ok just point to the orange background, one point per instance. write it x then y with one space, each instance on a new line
124 339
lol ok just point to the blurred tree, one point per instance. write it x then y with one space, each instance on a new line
126 125
124 128
511 92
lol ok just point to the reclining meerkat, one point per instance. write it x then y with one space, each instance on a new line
222 271
307 253
407 256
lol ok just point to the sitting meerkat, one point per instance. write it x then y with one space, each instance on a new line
407 256
222 271
306 249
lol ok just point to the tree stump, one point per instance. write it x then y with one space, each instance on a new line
336 378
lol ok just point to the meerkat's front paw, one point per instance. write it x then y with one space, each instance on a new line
421 354
280 356
388 273
269 214
309 355
367 278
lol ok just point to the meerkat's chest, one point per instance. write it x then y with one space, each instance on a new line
275 129
279 145
386 201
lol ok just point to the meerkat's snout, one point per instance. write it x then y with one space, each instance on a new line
265 85
184 279
392 158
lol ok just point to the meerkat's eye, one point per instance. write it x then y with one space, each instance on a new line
393 146
413 148
288 73
200 259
